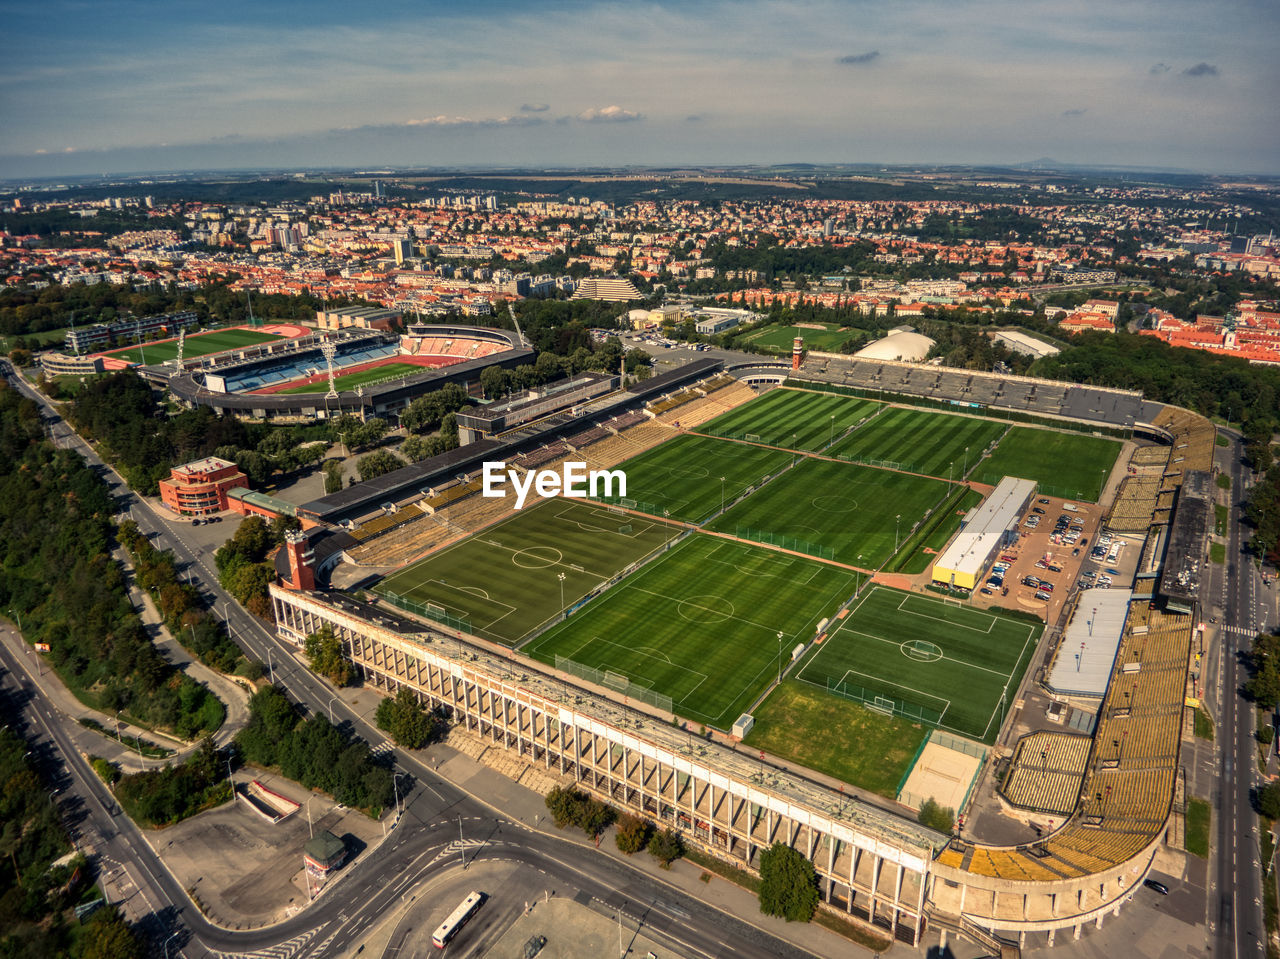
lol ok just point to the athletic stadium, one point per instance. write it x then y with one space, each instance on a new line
759 639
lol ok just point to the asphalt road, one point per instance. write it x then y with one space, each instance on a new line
1237 916
422 844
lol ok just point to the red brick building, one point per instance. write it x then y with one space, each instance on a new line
200 488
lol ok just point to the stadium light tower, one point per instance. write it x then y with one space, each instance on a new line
832 437
722 494
329 349
779 656
560 576
897 525
966 463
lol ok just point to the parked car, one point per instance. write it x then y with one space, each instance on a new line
1076 551
1113 572
1042 501
1156 886
1043 596
986 592
1030 581
1054 568
1037 509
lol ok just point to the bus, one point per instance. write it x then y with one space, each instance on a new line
449 928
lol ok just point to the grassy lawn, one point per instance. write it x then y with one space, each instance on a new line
940 660
1220 516
835 510
682 478
1224 481
1222 440
504 582
921 442
1199 815
1218 552
832 735
349 381
1070 465
702 623
779 339
916 555
1204 724
796 419
198 344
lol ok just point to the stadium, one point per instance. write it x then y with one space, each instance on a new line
370 372
756 643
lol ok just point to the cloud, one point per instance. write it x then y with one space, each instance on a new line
1074 113
1201 69
858 59
472 122
609 114
1159 68
534 108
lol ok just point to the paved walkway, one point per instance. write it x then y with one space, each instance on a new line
233 695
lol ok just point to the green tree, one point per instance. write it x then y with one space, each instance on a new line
666 846
633 833
326 657
1269 800
936 817
108 936
378 463
788 884
332 477
405 719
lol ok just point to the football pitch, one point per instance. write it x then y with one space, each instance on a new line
514 576
1070 465
839 511
198 344
926 658
687 478
795 419
350 381
708 624
780 339
918 441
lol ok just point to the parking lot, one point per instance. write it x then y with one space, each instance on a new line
1055 539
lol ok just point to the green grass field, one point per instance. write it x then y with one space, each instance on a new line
198 344
350 381
681 478
779 339
847 509
935 535
832 735
505 581
1070 465
701 624
928 655
796 419
920 441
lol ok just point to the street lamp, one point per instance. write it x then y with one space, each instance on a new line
18 616
331 699
166 944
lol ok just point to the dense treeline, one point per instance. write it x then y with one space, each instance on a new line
313 752
774 260
57 574
181 604
244 565
121 413
161 797
1216 386
1263 511
36 897
25 311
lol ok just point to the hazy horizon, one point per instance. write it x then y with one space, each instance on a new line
131 88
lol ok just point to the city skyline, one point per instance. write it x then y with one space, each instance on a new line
115 88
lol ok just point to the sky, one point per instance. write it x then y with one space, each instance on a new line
100 86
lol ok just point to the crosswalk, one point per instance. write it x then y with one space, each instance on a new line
281 950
